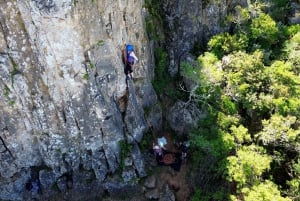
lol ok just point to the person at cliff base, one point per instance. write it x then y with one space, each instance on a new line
158 152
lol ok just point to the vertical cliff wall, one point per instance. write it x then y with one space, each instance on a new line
190 24
65 105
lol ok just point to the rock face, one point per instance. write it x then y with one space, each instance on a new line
65 103
190 24
182 118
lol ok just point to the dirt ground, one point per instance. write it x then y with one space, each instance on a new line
177 180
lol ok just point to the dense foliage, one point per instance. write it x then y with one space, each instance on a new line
248 145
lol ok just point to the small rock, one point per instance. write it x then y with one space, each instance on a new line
128 161
167 194
150 182
152 194
62 184
47 178
129 175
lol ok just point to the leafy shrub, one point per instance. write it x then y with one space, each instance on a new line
225 43
161 75
264 31
125 150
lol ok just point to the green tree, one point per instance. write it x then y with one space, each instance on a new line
284 88
248 98
292 48
283 76
294 184
247 166
228 106
225 43
240 134
264 31
239 17
281 135
266 191
279 131
208 64
246 79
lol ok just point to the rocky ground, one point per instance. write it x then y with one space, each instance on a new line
163 183
167 177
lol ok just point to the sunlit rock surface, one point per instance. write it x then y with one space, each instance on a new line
64 104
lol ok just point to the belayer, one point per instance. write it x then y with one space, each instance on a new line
129 59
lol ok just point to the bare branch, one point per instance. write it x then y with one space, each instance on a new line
194 97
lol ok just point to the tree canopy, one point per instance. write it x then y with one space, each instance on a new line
248 84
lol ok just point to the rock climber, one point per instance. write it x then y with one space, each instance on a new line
129 59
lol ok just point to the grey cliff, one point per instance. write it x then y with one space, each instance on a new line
65 104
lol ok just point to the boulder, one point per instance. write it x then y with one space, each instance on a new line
150 182
182 117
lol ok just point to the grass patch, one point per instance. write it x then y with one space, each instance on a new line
154 22
92 65
12 102
86 76
75 2
100 42
14 72
147 110
161 75
92 177
6 90
163 83
146 142
125 149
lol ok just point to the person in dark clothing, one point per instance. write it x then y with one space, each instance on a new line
184 149
158 152
128 70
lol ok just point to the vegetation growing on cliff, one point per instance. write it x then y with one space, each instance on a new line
155 29
248 145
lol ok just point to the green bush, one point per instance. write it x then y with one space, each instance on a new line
162 78
86 76
154 22
225 43
264 31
